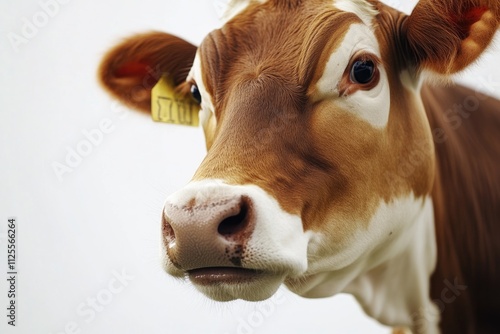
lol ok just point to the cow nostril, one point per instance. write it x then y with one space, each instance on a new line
233 225
168 232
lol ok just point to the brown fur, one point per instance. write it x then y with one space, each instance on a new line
467 206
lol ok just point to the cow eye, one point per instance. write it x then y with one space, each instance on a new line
362 71
195 93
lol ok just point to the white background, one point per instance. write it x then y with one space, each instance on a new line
104 215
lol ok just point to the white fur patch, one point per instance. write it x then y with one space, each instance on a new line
411 82
370 105
207 106
362 8
397 252
227 9
414 256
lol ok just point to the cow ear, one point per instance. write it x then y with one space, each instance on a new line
131 69
446 36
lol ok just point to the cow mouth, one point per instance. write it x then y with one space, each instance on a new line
229 275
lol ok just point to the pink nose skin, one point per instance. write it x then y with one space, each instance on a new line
211 232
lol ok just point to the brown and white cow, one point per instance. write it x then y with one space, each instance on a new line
331 167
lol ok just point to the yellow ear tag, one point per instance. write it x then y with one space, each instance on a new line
170 107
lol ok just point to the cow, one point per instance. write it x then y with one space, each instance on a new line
339 157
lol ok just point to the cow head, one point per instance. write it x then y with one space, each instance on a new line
320 156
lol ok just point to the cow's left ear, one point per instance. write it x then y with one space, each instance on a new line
446 36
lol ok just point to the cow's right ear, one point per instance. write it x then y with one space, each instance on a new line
131 69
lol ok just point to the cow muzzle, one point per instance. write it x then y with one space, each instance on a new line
231 241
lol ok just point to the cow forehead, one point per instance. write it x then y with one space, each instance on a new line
362 8
287 40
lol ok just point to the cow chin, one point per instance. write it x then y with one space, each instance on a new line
228 284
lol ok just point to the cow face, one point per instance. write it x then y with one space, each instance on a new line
320 157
